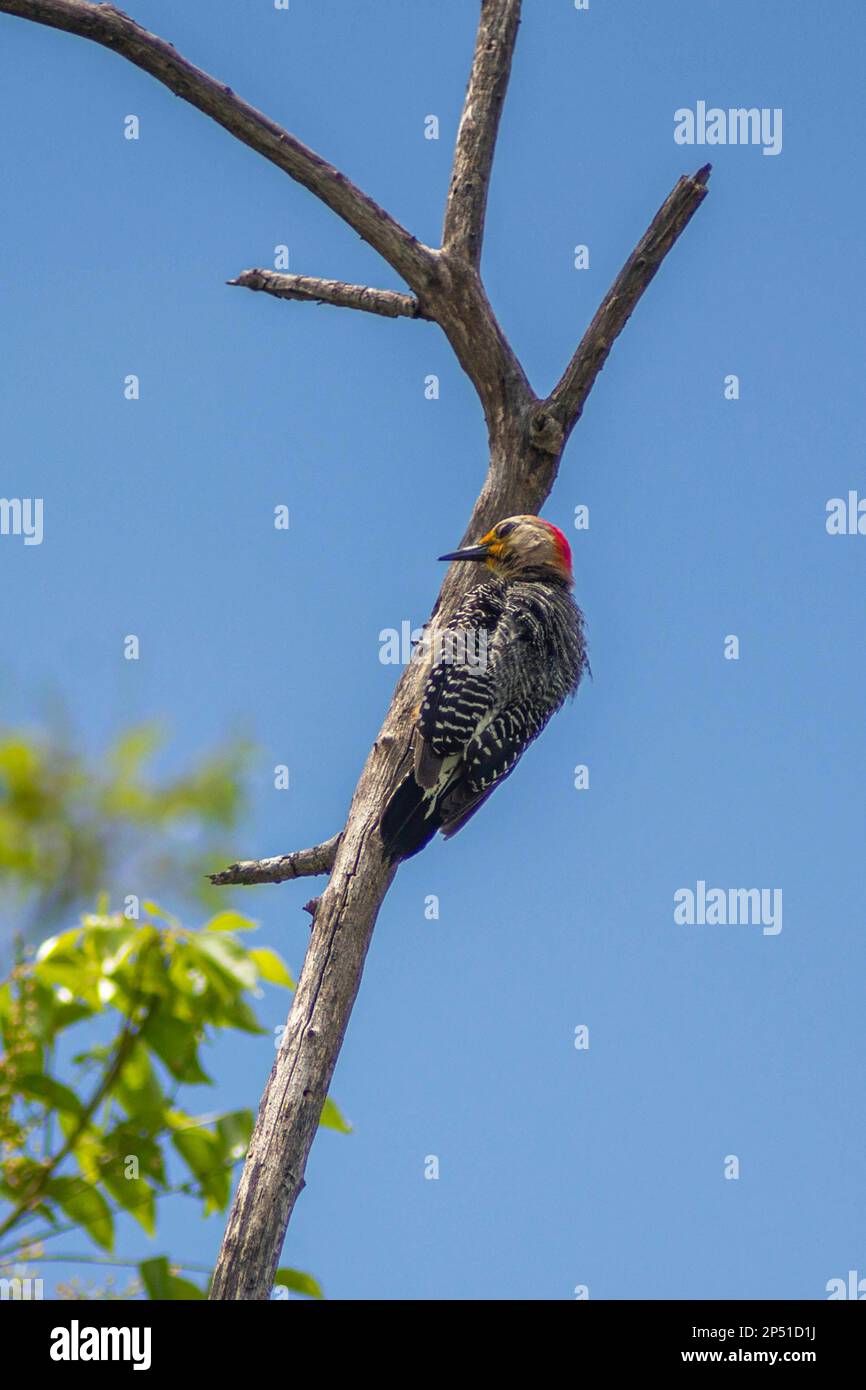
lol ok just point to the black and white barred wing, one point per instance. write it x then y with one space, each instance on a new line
491 755
460 692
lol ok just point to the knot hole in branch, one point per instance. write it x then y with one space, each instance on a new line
546 432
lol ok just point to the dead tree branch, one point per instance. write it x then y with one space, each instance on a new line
526 438
389 303
479 125
568 396
304 863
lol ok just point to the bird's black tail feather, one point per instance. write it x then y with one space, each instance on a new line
406 827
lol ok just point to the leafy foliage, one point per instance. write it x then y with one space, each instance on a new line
78 1151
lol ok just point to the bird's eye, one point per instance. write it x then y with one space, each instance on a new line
505 529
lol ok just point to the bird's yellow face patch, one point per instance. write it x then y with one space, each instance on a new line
493 543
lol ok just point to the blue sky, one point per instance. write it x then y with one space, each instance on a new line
558 1167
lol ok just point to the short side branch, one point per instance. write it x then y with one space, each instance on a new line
568 397
113 29
304 863
312 290
466 207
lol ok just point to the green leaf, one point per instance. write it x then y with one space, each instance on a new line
234 1131
235 1014
138 1089
87 1152
58 1096
135 747
135 1196
113 948
132 1139
154 910
202 1152
65 1013
299 1282
163 1286
229 957
47 1011
52 944
331 1118
199 1148
185 1290
175 1043
86 1206
75 972
271 967
229 921
156 1277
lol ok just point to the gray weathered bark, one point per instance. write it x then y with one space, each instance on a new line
526 438
389 303
303 863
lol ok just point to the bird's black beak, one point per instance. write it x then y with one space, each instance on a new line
471 552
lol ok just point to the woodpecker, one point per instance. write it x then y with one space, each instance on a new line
512 654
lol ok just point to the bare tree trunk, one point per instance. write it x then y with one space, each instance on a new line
526 439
